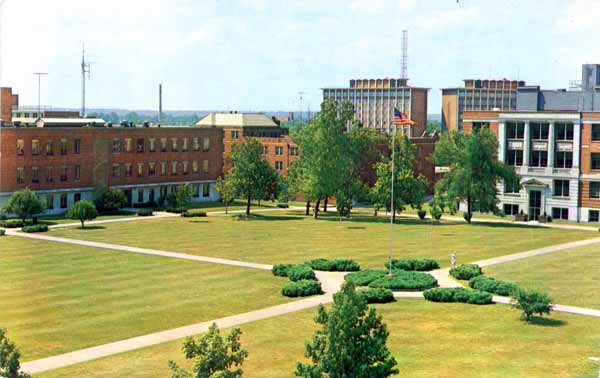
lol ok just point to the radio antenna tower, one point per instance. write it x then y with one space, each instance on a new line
404 54
85 69
301 110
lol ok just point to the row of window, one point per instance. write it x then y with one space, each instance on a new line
175 144
560 188
562 159
36 147
36 172
153 168
557 212
539 131
164 190
63 200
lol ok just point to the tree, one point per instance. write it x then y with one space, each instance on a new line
183 196
251 176
82 210
350 343
532 302
24 204
434 126
214 356
408 188
110 200
474 170
226 191
9 358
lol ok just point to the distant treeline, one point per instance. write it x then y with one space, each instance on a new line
166 119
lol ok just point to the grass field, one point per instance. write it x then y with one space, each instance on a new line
570 277
427 339
273 238
57 297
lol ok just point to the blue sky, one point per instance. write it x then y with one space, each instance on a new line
258 54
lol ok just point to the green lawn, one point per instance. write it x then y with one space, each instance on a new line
60 218
281 237
56 297
570 276
428 340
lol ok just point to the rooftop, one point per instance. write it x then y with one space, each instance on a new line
236 120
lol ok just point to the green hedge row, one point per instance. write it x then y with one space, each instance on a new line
334 265
492 285
12 223
377 295
458 294
413 264
145 213
35 228
2 232
405 280
465 271
302 288
301 272
281 270
365 277
193 213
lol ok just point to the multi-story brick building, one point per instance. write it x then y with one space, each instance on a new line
278 148
8 102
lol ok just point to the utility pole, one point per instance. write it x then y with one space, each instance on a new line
85 69
301 116
39 75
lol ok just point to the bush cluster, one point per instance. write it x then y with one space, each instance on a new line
35 228
458 294
365 277
192 213
2 232
404 280
145 205
281 270
377 295
492 285
413 264
301 272
12 223
283 205
436 213
176 210
334 265
465 271
145 213
302 288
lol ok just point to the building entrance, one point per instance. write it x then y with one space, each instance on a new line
535 204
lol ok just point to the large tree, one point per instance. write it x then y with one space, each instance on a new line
350 343
24 204
110 200
474 170
82 211
251 175
226 191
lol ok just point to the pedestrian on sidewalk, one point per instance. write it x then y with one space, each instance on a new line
453 260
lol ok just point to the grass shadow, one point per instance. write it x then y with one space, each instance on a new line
199 221
504 225
267 217
546 322
92 227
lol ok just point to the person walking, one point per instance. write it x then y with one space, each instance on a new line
453 260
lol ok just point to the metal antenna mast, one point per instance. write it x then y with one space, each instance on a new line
404 54
85 69
39 75
301 116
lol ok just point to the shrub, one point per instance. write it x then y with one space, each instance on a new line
193 213
301 272
365 277
110 200
413 264
145 205
82 211
12 223
281 270
377 295
176 210
492 285
145 213
457 294
283 205
35 228
436 213
24 204
2 232
302 288
532 302
465 271
403 280
334 265
421 213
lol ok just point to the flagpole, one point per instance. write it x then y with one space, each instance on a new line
393 210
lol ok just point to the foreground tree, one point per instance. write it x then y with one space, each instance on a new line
532 302
183 196
82 211
110 200
24 204
350 343
226 191
214 356
251 176
474 171
9 358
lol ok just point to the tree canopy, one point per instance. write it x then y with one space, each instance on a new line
82 210
226 191
24 204
9 358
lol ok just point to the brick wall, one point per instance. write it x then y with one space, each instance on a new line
7 101
418 111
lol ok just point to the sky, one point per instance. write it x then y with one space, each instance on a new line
251 55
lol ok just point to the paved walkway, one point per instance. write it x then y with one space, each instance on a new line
558 307
158 214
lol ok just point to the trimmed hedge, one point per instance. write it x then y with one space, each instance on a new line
2 232
283 205
12 223
458 294
492 285
176 210
281 270
192 213
365 277
35 228
301 272
334 265
302 288
413 264
404 280
377 295
145 213
421 213
465 271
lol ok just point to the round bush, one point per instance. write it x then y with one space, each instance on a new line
302 288
457 294
145 213
334 265
283 205
403 280
281 270
377 295
436 213
301 272
365 277
421 213
2 232
465 271
413 264
35 228
492 285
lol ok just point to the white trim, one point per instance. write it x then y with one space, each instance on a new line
541 116
161 184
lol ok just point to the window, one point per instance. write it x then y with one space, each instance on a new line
194 166
35 146
163 144
184 146
294 151
479 125
511 209
77 146
63 173
595 161
35 175
49 174
594 189
515 130
205 190
278 165
63 201
185 167
77 197
127 145
596 132
128 170
140 169
564 159
264 150
174 167
116 170
196 144
139 145
593 216
63 147
511 188
20 175
174 144
163 168
205 166
538 159
561 188
77 172
49 151
140 195
234 134
538 131
205 144
151 144
151 168
279 150
20 147
116 146
514 158
196 191
151 195
560 213
563 131
49 201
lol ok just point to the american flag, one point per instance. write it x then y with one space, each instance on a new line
401 119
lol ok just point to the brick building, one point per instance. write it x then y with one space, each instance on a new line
8 102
